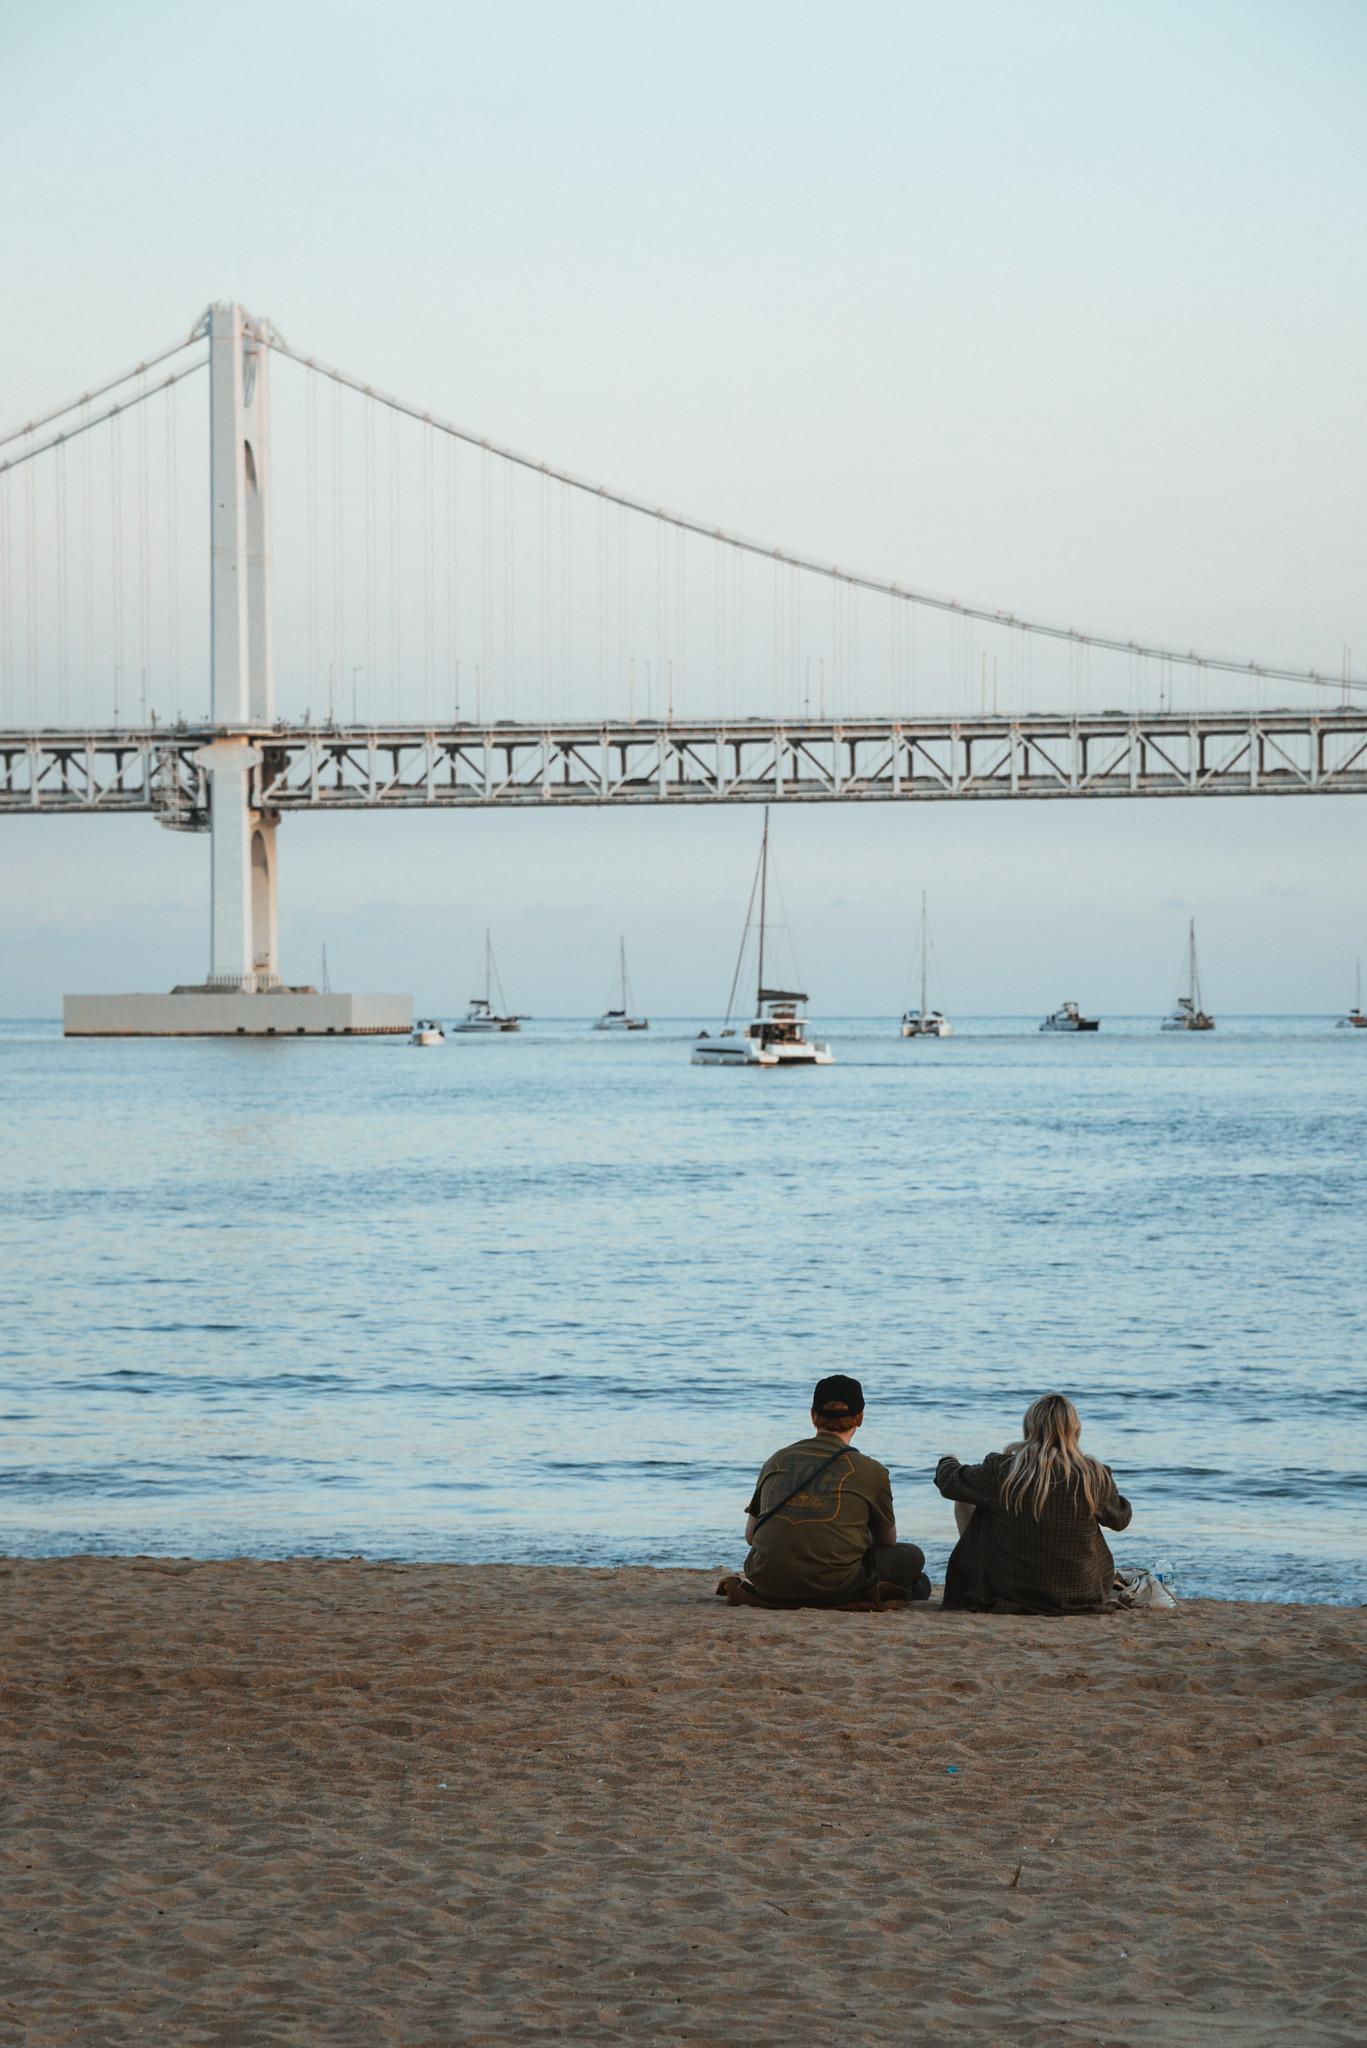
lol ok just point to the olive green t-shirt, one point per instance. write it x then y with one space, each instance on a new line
817 1545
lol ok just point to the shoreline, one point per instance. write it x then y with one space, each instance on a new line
328 1803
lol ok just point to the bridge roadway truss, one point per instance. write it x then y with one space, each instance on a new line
334 768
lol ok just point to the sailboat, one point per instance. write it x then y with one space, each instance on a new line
1355 1019
482 1019
620 1018
778 1035
925 1023
1188 1015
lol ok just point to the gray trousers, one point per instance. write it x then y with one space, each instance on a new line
905 1565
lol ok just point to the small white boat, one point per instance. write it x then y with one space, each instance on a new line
482 1019
620 1018
777 1037
1187 1013
427 1031
1067 1017
1355 1020
925 1022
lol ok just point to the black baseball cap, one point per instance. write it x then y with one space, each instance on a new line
838 1395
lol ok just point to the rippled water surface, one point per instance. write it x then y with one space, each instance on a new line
556 1297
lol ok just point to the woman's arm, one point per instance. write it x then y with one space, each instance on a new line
973 1483
1115 1511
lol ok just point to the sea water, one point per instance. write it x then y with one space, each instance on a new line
554 1297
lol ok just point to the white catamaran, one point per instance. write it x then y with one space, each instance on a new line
1187 1014
778 1035
925 1022
620 1018
1355 1019
482 1019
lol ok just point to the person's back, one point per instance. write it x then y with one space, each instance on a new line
1030 1541
820 1521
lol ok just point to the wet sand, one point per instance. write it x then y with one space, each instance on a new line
356 1803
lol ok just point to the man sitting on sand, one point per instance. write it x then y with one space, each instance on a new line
820 1521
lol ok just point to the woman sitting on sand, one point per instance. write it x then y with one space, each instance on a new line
1030 1520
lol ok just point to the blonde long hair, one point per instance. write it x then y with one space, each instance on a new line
1050 1455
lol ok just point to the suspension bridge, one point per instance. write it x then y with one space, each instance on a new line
359 605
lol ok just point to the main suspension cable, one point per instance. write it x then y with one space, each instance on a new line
853 580
98 419
111 384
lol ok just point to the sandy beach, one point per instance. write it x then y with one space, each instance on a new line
407 1804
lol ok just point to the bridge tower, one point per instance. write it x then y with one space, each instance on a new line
243 995
243 859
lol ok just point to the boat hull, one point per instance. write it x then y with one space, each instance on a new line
742 1053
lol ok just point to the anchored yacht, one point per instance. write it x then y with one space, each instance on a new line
1187 1013
777 1036
1355 1020
482 1019
620 1017
1067 1017
925 1022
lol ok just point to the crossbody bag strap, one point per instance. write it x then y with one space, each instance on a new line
801 1487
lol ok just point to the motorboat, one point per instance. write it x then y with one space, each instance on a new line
427 1031
1355 1020
1067 1017
1187 1013
925 1022
620 1017
482 1019
777 1034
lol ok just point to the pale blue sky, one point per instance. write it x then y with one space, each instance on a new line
1059 306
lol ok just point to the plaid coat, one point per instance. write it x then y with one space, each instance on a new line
1007 1563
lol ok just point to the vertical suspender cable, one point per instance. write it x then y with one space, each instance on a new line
60 509
88 564
144 570
739 657
453 613
545 558
566 681
602 606
311 526
31 593
509 572
116 558
173 549
661 606
368 493
338 564
427 669
395 627
486 580
621 596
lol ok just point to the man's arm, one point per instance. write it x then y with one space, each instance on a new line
882 1519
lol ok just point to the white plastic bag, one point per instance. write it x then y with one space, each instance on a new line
1143 1589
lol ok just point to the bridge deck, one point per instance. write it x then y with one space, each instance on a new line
330 767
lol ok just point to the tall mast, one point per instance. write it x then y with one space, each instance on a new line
763 900
1193 978
622 953
923 953
488 967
